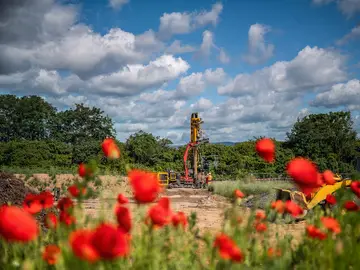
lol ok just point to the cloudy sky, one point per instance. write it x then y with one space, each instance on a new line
250 68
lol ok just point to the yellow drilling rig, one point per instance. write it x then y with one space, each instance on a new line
189 177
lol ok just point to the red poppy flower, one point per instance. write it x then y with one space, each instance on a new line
122 199
305 174
85 170
328 177
272 252
50 220
66 218
160 214
331 224
81 245
110 242
51 254
239 194
314 232
65 203
75 191
266 149
278 206
260 215
31 204
260 227
293 209
145 186
320 180
17 225
355 186
179 219
123 218
46 199
227 248
330 199
110 149
351 206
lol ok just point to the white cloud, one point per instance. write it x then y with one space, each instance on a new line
215 77
47 52
183 23
259 52
148 42
35 80
173 135
130 127
311 68
191 85
136 78
202 104
341 94
118 4
347 7
177 48
355 33
44 34
209 17
188 86
87 53
207 44
223 57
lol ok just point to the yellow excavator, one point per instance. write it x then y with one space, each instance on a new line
316 198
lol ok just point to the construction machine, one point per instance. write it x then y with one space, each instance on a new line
189 177
318 197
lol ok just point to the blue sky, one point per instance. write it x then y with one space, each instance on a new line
251 68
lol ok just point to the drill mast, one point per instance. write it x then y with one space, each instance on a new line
196 138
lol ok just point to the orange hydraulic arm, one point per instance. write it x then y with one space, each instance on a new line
195 140
185 159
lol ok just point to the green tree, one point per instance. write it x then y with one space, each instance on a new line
25 118
82 123
143 148
328 139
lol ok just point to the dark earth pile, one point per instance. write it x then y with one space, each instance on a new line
262 200
14 190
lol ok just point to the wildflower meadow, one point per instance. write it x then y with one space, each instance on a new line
167 239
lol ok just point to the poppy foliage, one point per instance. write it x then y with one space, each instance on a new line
146 231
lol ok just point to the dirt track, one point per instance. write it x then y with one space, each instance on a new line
209 209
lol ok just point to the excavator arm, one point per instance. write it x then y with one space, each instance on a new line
189 145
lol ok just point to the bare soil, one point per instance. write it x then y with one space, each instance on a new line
208 207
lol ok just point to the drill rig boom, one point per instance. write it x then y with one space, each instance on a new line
196 139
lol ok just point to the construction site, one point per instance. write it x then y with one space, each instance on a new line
190 191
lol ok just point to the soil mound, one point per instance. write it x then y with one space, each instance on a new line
13 190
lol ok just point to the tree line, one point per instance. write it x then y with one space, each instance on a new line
34 134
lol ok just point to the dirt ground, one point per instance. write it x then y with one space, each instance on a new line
208 207
209 210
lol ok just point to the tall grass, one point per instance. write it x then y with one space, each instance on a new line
226 188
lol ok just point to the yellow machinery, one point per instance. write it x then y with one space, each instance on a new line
317 197
188 179
165 178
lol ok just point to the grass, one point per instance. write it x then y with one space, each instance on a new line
50 170
226 188
36 170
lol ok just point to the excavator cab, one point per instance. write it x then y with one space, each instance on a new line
163 178
172 177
